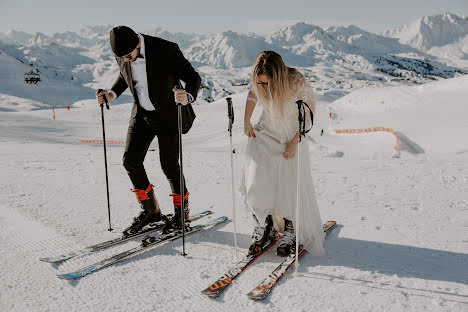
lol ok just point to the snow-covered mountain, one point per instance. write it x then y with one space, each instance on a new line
96 32
233 50
184 40
227 50
431 31
366 42
305 39
15 37
305 45
444 36
336 60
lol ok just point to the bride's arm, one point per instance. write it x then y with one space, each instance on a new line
249 108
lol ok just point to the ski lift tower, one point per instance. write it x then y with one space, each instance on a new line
31 77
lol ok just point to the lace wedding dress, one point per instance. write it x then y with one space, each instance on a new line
269 181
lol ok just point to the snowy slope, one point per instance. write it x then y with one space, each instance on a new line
432 107
401 244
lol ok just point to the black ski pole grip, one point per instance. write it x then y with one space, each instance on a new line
300 108
300 117
105 99
230 110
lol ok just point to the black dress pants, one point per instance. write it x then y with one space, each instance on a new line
141 132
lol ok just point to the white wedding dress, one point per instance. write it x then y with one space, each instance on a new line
269 181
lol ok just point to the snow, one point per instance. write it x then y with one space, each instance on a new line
437 108
401 241
400 245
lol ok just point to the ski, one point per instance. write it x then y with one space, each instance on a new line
264 288
218 287
116 241
147 244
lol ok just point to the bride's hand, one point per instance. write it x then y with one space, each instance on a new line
248 130
291 149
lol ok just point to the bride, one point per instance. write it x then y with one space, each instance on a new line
269 181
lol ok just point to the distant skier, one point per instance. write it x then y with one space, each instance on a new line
321 132
151 67
270 174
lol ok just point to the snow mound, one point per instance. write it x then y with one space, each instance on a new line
420 114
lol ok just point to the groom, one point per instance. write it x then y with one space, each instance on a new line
151 67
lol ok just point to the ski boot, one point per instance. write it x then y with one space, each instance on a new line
261 235
287 244
175 223
150 211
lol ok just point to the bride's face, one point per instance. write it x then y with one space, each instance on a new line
263 80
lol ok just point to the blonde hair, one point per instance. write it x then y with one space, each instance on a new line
279 90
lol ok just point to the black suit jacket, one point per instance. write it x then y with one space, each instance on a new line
165 66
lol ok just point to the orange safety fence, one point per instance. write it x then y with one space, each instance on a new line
374 129
101 141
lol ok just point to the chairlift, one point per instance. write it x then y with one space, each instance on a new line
31 77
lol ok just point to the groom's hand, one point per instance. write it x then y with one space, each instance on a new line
180 96
100 96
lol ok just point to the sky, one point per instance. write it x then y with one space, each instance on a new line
212 16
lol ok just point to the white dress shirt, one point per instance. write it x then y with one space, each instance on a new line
140 79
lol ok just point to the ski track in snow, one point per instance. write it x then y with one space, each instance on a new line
401 243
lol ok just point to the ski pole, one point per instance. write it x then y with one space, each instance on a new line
301 119
105 155
182 185
231 151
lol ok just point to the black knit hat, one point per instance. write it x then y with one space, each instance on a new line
123 40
